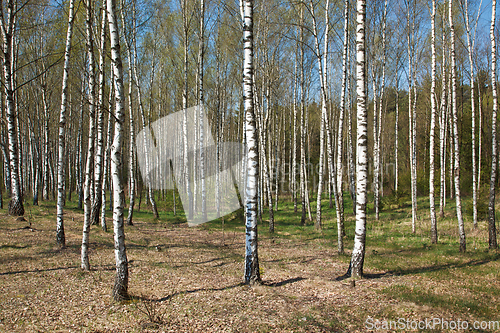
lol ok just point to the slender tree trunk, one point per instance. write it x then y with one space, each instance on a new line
442 135
322 68
302 123
470 48
434 235
450 134
96 207
16 206
132 185
492 240
378 175
350 152
456 170
46 110
252 272
376 154
480 135
293 173
105 169
60 237
79 160
120 289
396 137
411 122
358 253
186 171
201 55
340 134
90 154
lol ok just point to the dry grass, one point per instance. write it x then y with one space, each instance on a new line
188 280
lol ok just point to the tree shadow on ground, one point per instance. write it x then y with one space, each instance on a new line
424 269
284 282
39 270
241 284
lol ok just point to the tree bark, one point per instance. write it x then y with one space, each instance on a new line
492 239
60 237
434 235
322 68
96 206
120 289
340 134
358 253
16 206
90 154
252 272
456 166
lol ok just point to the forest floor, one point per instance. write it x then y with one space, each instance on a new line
190 279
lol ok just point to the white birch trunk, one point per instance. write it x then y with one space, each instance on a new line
302 124
376 155
456 170
442 135
79 162
434 235
411 124
186 171
350 150
358 253
120 289
492 239
322 62
378 176
470 49
396 137
60 237
340 134
293 173
106 156
201 138
96 207
480 135
252 272
46 111
132 129
90 154
16 206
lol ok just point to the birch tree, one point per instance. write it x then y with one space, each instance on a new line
470 52
492 240
340 133
132 161
60 237
201 54
303 190
7 25
186 171
456 166
252 272
434 236
411 119
322 68
442 134
96 206
87 200
90 154
358 253
120 289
